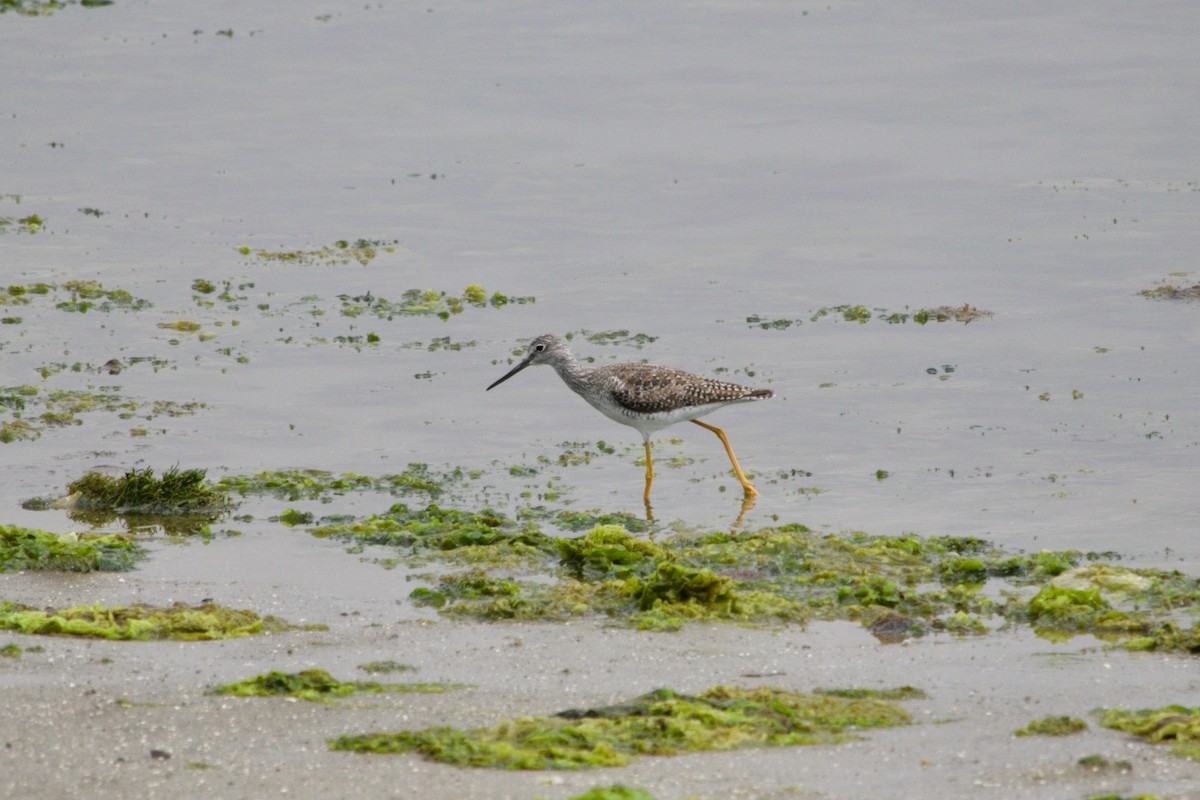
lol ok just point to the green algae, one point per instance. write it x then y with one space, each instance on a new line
660 723
386 666
424 302
361 251
36 410
604 551
1168 637
91 295
1132 608
896 693
1098 763
1169 291
29 549
42 8
585 520
315 484
23 294
1053 726
966 313
618 337
188 623
138 492
318 686
79 296
439 529
31 223
1065 608
181 325
606 572
18 430
11 650
615 792
291 517
895 586
1176 725
476 585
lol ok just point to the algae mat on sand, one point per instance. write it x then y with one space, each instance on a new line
662 722
205 621
318 686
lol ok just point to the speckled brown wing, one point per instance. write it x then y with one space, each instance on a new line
651 389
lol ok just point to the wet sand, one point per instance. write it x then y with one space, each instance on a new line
94 718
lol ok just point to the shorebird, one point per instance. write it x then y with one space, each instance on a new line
646 397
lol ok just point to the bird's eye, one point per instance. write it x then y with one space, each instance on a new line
539 347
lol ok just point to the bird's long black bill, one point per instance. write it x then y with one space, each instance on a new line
511 372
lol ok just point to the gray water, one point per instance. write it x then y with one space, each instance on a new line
672 170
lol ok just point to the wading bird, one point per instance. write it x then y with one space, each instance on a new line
643 396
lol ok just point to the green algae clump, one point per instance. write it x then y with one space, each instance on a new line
342 251
29 549
611 572
318 686
182 622
606 550
439 530
1171 292
661 723
315 484
615 792
1053 726
898 693
1065 607
388 665
1167 637
1176 725
176 493
895 586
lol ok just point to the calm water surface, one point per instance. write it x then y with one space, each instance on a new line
666 170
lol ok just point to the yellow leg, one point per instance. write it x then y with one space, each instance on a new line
649 475
741 476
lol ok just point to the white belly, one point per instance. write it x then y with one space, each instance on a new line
647 424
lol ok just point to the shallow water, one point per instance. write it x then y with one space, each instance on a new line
662 171
670 170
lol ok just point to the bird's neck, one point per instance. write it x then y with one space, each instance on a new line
571 371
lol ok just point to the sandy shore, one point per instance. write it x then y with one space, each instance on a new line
133 719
